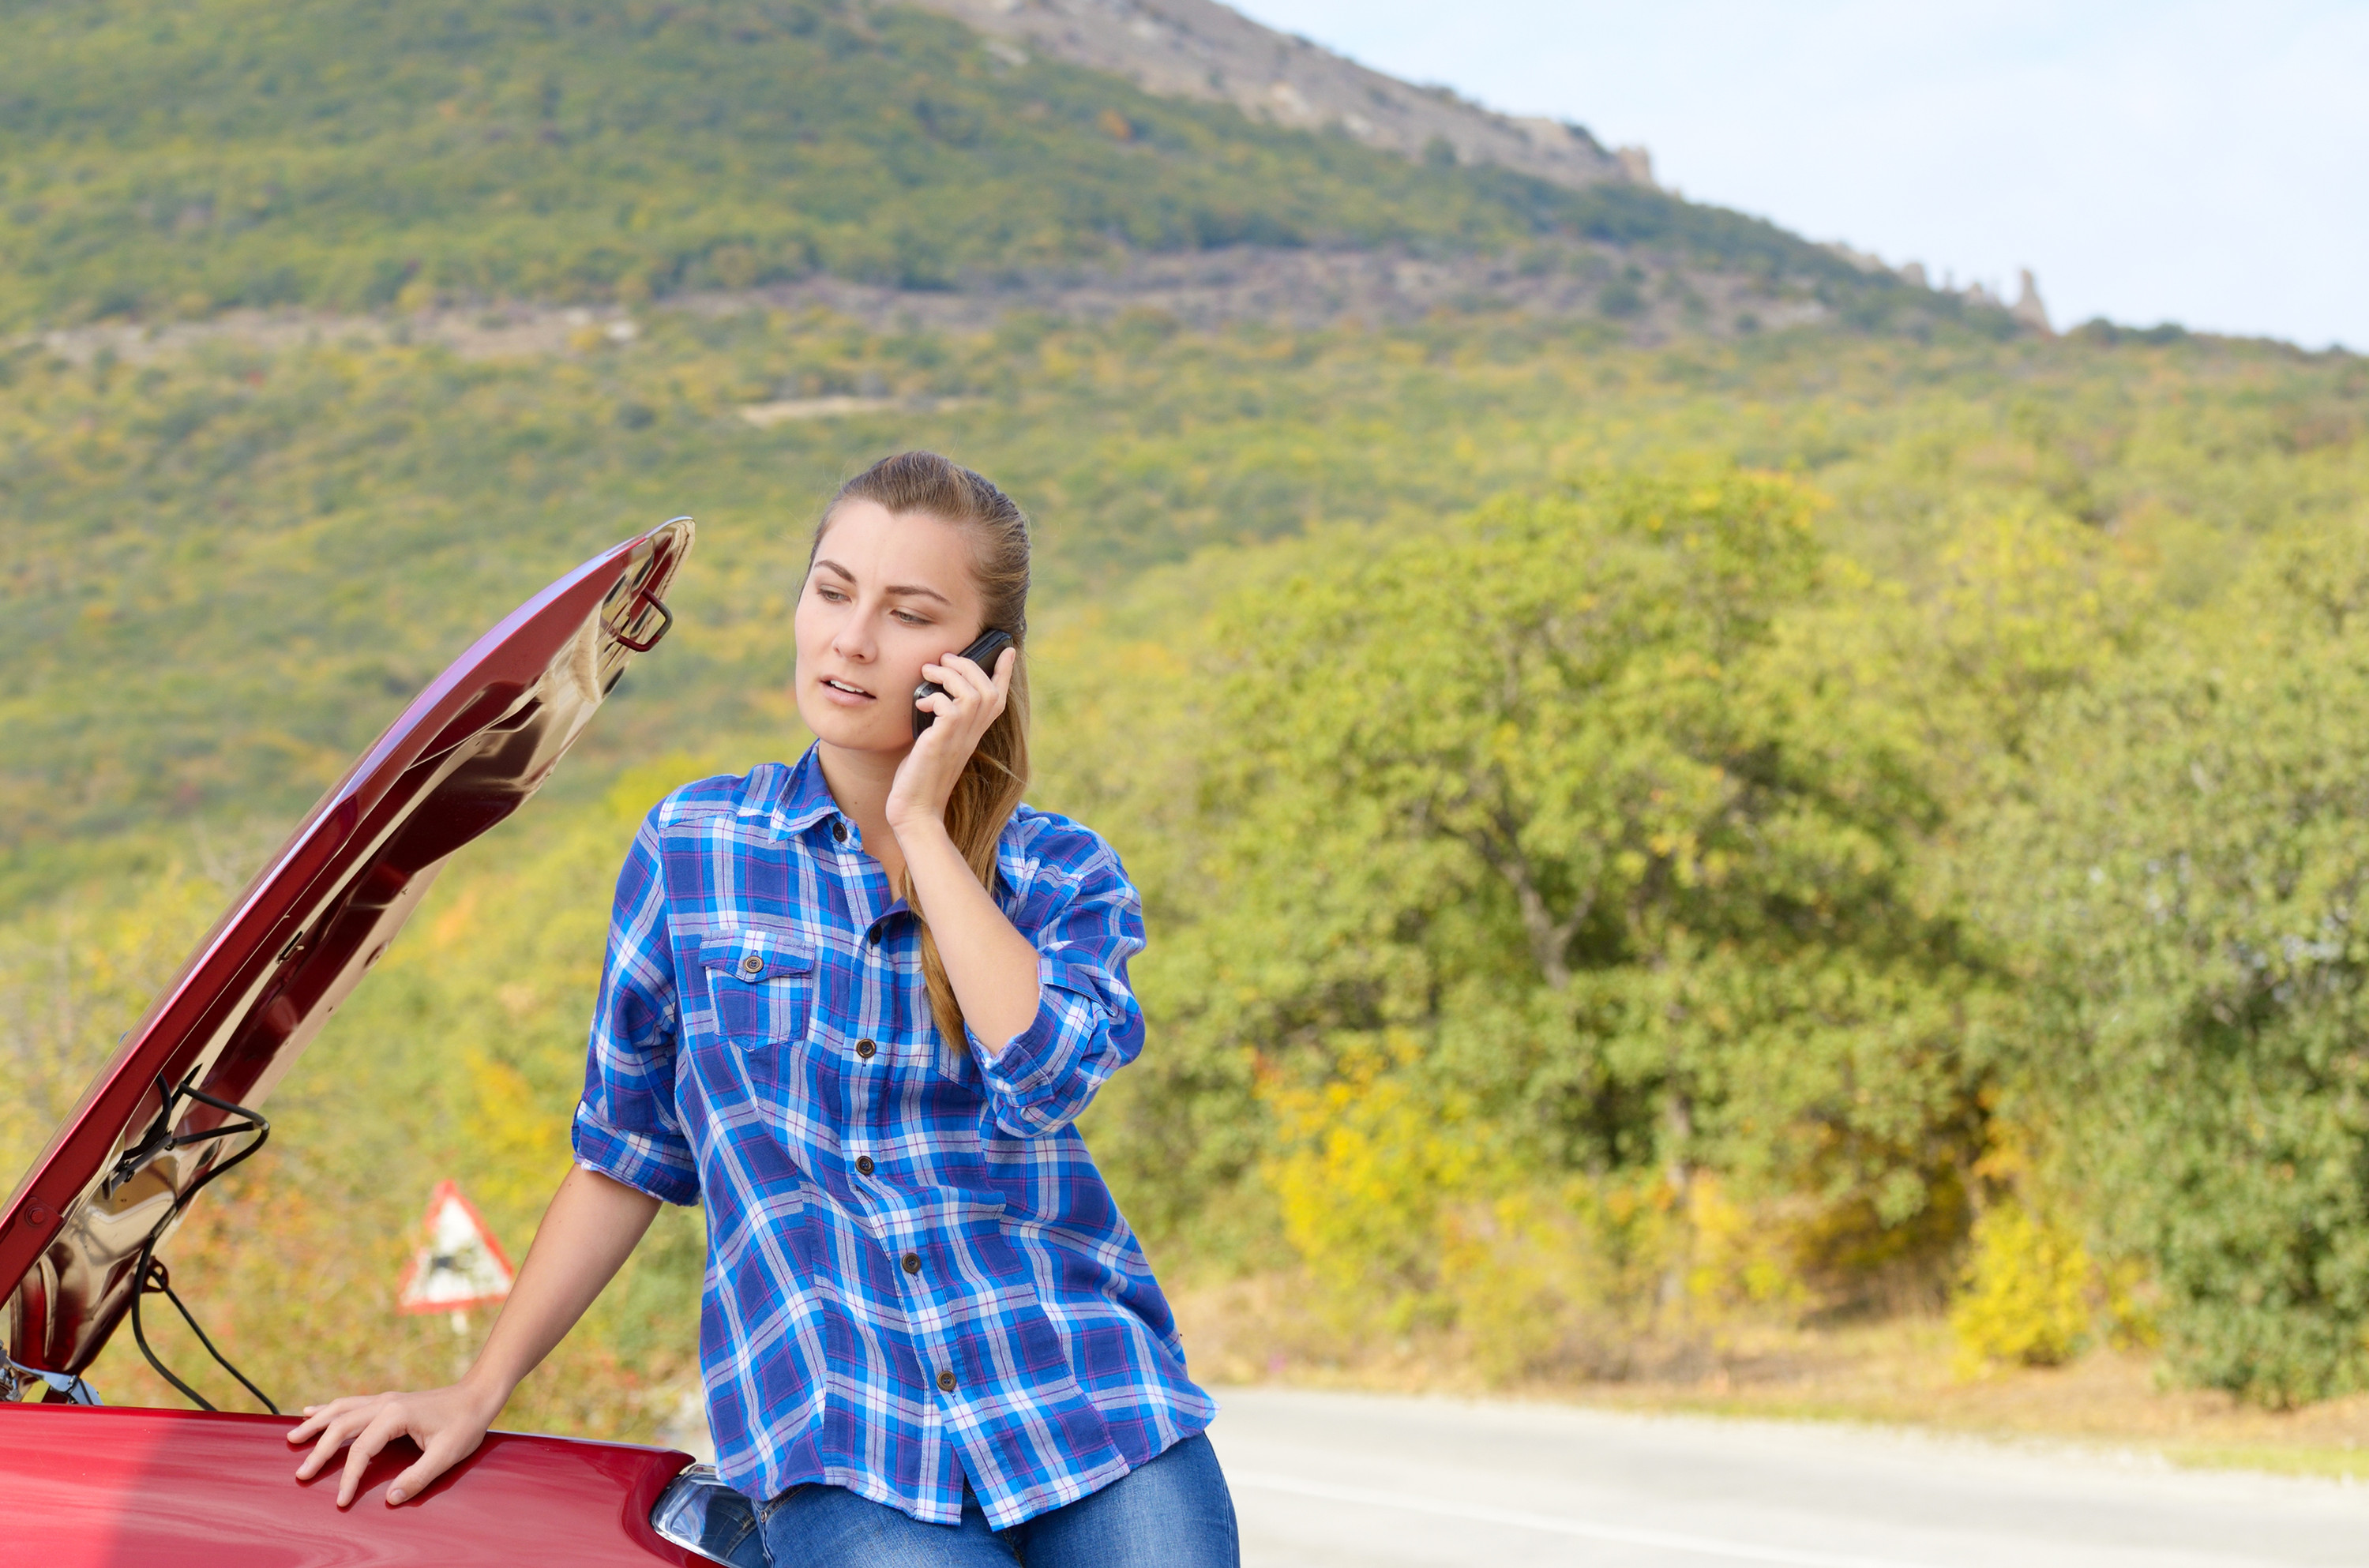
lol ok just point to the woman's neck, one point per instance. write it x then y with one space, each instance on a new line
859 781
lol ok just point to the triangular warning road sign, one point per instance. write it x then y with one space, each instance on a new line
458 1265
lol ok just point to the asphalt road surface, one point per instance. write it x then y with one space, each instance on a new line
1328 1481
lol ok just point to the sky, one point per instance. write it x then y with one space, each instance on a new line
2203 163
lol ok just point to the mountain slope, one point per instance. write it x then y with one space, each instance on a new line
163 158
1197 49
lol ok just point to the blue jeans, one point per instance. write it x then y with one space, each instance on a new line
1174 1512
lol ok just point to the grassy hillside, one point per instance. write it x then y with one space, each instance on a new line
174 157
230 570
227 570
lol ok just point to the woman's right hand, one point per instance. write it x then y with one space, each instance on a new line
592 1225
448 1423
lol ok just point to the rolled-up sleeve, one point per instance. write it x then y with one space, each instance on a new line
626 1126
1085 921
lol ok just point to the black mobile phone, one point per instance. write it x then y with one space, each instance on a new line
983 653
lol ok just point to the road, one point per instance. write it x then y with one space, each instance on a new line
1330 1480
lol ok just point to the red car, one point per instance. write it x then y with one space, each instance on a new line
88 1483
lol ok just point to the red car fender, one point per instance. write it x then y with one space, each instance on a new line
83 1487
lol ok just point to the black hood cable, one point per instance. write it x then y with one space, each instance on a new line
149 1275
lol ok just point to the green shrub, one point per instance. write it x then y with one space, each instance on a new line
2024 1301
2184 877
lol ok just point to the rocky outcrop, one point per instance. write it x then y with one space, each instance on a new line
1197 49
2028 310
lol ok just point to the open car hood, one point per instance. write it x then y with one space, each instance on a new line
466 754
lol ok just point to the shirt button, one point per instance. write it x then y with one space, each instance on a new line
752 964
863 1164
912 1262
839 831
865 1049
947 1381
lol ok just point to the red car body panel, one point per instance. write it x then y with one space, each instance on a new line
110 1488
103 1485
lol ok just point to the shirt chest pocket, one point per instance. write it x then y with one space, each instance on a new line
762 981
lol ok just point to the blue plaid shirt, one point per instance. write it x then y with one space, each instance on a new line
916 1276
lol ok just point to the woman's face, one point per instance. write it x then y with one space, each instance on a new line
888 592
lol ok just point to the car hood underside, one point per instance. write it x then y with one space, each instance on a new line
467 752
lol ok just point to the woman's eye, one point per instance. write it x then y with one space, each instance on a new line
909 619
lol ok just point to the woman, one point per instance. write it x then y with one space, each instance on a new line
927 1335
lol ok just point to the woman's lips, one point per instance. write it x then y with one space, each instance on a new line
845 693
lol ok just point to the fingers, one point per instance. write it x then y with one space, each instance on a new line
316 1459
316 1416
963 679
997 683
385 1428
445 1432
970 672
333 1423
435 1458
954 672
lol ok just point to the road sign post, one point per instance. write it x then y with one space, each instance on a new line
458 1265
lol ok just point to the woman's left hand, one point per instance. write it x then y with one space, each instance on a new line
971 702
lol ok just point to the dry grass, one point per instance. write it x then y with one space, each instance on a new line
1893 1372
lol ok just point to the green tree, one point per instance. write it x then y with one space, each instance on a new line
2182 879
1537 791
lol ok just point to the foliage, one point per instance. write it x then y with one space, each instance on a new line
1567 1276
1365 1168
226 570
1788 677
77 974
2182 875
1550 813
2025 1296
1409 1213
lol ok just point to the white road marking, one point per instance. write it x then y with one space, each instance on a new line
1554 1524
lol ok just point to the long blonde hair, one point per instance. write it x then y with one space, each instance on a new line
997 775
